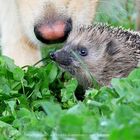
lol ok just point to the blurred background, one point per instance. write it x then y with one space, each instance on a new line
117 13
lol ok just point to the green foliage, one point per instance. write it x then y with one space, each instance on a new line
39 103
117 13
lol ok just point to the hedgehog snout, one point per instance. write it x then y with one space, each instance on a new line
61 57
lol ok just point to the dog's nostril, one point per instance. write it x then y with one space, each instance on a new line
52 56
39 34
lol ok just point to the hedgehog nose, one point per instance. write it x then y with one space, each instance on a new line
53 32
52 56
61 57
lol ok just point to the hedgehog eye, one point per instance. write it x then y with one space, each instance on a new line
83 51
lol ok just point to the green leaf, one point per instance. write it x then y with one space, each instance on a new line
52 109
135 74
52 72
69 89
18 74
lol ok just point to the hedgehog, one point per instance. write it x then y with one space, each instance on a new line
99 51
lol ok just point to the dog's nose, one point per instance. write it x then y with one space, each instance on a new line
53 32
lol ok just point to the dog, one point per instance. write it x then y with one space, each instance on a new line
25 25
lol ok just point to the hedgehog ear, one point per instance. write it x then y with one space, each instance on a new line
111 48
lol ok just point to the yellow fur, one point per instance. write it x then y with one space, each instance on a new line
18 17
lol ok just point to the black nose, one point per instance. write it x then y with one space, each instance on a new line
61 57
52 56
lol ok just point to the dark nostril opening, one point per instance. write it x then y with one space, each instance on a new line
38 34
68 27
52 56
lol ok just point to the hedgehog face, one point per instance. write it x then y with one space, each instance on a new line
72 60
84 61
101 56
